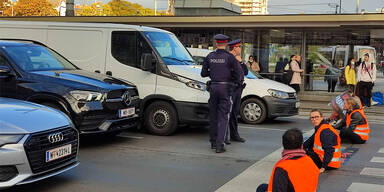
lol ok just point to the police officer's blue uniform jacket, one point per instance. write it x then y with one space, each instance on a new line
221 66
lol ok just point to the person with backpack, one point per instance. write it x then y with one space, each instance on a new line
366 77
350 75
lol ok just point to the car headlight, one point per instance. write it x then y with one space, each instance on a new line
86 95
10 139
278 94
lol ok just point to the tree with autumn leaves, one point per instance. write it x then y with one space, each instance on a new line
115 8
27 8
47 8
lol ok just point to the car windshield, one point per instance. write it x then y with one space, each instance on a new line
33 57
170 49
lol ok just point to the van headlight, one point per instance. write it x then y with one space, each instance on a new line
86 95
10 139
196 85
192 83
278 94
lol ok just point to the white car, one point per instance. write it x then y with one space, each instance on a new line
262 98
36 142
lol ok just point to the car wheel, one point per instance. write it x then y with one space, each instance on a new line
253 111
160 118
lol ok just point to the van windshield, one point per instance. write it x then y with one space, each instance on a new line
170 49
37 58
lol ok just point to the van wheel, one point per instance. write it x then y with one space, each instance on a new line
253 111
160 118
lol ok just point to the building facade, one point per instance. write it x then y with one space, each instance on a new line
252 7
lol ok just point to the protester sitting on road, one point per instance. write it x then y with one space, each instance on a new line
324 145
355 125
295 171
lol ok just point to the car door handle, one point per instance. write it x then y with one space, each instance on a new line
108 73
97 71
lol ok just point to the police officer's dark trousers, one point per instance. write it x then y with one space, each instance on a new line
233 121
219 110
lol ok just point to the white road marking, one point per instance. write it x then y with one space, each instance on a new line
381 150
377 159
358 187
377 172
256 174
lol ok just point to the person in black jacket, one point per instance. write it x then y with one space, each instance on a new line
328 140
235 49
295 170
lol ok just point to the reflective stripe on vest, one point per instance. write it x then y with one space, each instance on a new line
302 173
317 146
321 149
361 130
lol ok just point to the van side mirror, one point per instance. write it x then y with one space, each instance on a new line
5 71
147 61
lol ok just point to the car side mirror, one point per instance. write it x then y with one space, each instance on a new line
5 71
147 62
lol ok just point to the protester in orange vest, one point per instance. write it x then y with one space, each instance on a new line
355 125
295 171
324 145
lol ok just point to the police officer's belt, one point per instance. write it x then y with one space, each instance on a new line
224 83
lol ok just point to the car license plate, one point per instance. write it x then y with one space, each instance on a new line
126 112
58 153
297 104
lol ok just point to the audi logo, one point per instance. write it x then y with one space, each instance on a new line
55 137
126 98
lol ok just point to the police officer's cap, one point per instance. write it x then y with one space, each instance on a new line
234 43
220 38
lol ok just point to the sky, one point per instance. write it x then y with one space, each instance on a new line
285 6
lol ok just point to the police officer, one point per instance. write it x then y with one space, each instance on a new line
235 49
324 145
223 70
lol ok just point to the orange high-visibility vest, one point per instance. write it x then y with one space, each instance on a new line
302 172
317 147
362 130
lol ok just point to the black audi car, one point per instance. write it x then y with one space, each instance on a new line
95 103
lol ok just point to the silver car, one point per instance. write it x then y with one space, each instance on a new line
36 142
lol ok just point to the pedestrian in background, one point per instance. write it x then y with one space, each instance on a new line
350 74
324 145
296 77
253 65
235 50
354 126
223 70
331 78
295 171
366 77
